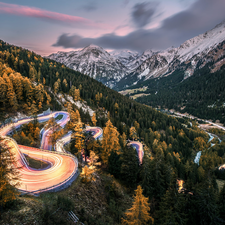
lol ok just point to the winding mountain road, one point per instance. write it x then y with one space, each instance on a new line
139 148
62 167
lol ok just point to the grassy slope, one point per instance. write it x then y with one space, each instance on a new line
91 201
36 164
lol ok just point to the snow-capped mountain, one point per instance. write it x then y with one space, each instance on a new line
132 65
193 53
95 62
125 56
120 69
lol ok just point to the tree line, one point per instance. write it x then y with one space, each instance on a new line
170 147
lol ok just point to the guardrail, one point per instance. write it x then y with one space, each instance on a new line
61 185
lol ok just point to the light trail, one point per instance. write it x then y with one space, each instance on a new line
96 132
139 148
62 166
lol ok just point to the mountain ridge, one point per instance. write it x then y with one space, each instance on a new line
122 69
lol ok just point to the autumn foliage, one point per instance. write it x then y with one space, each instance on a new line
8 174
138 214
18 92
110 141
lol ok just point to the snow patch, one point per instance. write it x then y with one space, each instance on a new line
145 73
80 104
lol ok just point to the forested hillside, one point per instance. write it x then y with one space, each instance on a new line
169 152
201 95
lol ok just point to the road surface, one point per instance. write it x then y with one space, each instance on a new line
62 167
139 148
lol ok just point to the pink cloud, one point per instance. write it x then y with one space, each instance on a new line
20 10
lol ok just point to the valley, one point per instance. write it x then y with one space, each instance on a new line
116 127
190 73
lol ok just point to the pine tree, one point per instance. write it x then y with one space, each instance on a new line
9 177
3 89
156 176
172 206
114 164
221 203
110 141
138 214
129 166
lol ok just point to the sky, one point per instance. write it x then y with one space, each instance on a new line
50 26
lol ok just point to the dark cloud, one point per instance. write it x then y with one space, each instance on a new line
200 17
90 6
138 40
143 12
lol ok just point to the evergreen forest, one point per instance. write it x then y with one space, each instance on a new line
172 188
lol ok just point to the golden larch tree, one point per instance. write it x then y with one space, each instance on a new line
78 136
87 174
138 214
98 97
110 141
65 83
69 108
133 133
124 139
55 133
116 107
9 176
43 81
93 160
93 119
56 86
136 125
36 133
76 94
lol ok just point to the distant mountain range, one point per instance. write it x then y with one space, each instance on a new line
122 69
95 62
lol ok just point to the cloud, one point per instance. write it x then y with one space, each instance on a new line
137 40
143 12
125 2
90 7
55 17
200 17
